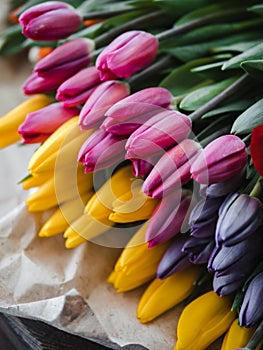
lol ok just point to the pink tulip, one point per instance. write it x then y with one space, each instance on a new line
220 160
172 170
101 150
35 84
127 115
78 88
127 54
162 131
168 218
51 20
66 60
103 97
142 167
39 125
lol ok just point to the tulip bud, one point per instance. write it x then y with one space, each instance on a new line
240 215
51 20
39 125
127 54
167 219
174 259
172 170
236 336
142 167
256 147
127 115
10 122
220 160
35 84
198 250
162 131
204 320
101 150
104 96
66 60
162 295
251 311
78 88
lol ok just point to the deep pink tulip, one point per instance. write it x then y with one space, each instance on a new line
39 125
127 54
101 150
142 167
51 20
66 60
162 131
172 170
78 88
127 115
35 84
168 218
220 160
104 96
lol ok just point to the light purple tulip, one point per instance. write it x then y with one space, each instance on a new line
39 125
78 88
172 170
103 97
168 218
220 160
66 60
127 115
51 20
127 54
160 132
101 150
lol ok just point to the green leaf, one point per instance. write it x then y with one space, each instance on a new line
213 70
254 53
248 120
11 40
257 8
254 68
179 7
199 97
237 47
235 106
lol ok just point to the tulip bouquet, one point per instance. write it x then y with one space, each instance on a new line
149 120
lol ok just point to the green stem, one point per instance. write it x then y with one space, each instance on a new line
256 339
196 23
105 38
149 71
230 90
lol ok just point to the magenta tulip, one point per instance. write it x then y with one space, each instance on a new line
35 84
39 125
102 98
127 54
220 160
51 20
77 89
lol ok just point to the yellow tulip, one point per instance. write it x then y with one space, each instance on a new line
137 264
59 189
100 205
35 180
85 228
162 295
236 336
63 217
133 206
10 122
203 321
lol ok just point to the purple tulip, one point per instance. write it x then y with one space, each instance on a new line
239 216
127 54
220 160
36 85
103 97
162 131
172 170
127 115
204 216
168 218
198 250
78 88
251 311
66 60
101 150
174 259
51 20
39 125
